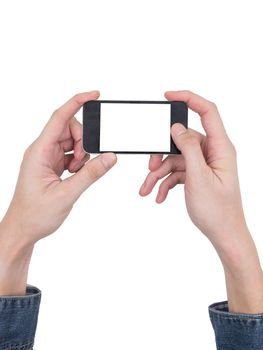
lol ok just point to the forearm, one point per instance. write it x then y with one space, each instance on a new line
243 273
15 258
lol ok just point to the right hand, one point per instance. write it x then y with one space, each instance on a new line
208 169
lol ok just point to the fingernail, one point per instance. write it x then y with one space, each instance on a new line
178 129
94 92
158 199
142 188
108 160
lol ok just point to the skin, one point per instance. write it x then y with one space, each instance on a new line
207 168
42 200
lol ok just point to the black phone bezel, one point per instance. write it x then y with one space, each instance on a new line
91 124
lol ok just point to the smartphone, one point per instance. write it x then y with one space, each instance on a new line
131 126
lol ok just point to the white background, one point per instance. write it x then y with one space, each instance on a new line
135 127
124 272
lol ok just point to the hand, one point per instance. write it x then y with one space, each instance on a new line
207 167
42 200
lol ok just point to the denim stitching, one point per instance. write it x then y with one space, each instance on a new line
32 297
215 310
238 317
26 346
30 292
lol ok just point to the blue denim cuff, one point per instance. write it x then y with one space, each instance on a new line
18 320
234 331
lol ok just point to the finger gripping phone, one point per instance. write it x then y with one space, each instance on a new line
131 126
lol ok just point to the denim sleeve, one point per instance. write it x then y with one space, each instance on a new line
235 331
18 320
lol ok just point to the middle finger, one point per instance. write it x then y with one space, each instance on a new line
170 164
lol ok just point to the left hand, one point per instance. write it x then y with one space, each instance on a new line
42 200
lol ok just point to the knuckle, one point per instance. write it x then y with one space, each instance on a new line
76 96
233 149
213 106
188 94
152 179
191 141
75 121
78 99
164 186
28 151
156 177
55 113
93 172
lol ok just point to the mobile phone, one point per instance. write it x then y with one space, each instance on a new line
131 126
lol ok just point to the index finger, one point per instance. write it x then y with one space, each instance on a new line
155 161
60 118
210 118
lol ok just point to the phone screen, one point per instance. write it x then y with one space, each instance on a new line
135 127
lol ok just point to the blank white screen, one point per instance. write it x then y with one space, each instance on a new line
135 127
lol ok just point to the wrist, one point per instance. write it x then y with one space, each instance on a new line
15 257
235 246
243 273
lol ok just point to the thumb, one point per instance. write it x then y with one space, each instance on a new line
76 184
189 145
